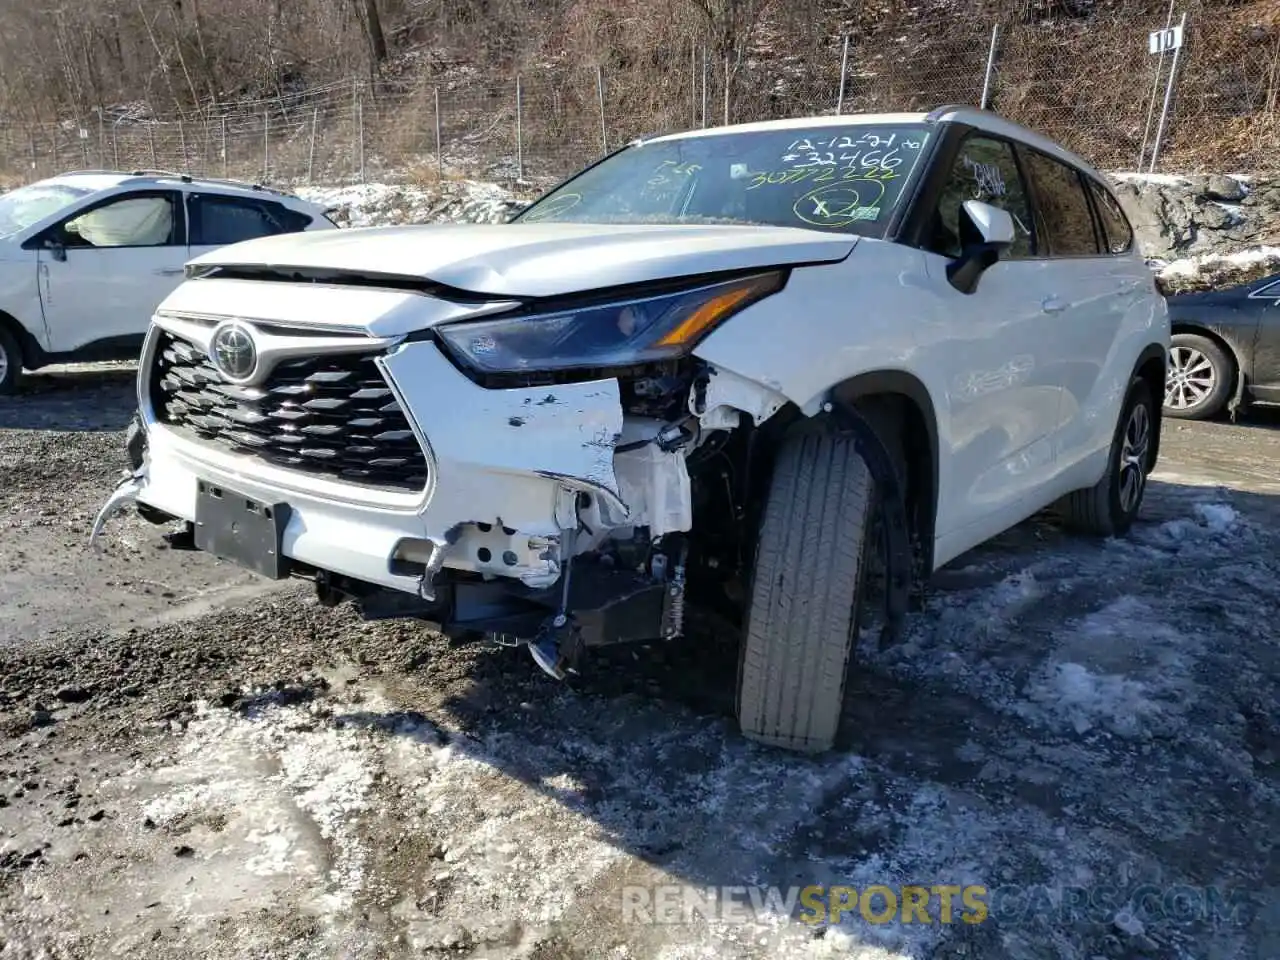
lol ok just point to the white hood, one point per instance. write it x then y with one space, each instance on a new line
538 260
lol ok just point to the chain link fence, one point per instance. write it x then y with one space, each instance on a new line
1090 84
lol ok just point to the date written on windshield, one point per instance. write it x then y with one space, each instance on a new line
868 151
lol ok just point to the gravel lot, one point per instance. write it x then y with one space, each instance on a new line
195 763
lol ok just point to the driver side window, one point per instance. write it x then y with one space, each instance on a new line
985 169
134 221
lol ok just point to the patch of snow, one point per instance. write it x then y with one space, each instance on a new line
1242 259
1159 179
386 204
1084 700
1218 517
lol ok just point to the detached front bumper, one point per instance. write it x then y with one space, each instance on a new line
506 473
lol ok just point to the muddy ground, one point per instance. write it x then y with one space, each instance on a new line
195 763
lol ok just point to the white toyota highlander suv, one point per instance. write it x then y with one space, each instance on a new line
85 258
732 371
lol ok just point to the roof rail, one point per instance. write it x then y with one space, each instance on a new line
184 177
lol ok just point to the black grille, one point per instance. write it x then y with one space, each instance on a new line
329 416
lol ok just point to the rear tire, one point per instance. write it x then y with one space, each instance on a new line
808 575
1200 378
10 363
1108 508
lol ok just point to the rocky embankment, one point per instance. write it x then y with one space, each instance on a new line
1205 231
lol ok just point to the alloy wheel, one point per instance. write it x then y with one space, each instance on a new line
1133 457
1191 378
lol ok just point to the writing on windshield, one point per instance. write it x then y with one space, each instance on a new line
846 178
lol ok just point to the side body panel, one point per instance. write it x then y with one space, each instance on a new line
887 308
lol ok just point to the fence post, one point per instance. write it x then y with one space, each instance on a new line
223 131
604 129
844 70
1168 96
726 90
311 151
693 79
115 146
182 139
519 131
57 158
439 140
704 86
1155 92
102 139
991 65
360 129
34 161
266 146
151 139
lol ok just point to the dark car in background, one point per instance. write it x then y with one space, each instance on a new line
1225 349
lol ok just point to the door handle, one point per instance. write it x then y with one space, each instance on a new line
1053 305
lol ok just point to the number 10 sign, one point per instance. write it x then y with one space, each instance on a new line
1162 41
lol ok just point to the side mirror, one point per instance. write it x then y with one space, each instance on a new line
986 232
56 249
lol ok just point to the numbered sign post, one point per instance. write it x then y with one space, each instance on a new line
1172 35
1163 41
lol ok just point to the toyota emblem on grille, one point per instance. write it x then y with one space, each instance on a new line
233 352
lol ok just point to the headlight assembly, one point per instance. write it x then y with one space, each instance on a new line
623 333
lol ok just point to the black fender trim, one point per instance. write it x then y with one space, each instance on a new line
893 505
904 384
1154 352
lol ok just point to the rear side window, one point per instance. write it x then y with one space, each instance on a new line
1118 235
218 221
1063 207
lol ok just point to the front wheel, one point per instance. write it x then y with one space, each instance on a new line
10 363
805 589
1109 507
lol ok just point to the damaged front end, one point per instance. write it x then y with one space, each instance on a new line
556 475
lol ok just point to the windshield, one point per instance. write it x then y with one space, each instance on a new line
21 208
845 179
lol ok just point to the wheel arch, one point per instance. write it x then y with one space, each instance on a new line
896 399
1209 331
32 353
1153 367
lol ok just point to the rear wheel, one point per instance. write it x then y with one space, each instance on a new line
808 575
10 363
1108 507
1198 383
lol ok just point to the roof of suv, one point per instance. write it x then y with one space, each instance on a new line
110 179
972 116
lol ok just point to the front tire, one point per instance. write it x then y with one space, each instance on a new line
10 363
1199 380
1108 508
805 589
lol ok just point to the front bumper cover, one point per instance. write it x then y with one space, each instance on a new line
506 471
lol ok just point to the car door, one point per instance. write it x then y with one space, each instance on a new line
1263 303
105 268
221 219
1001 391
1091 287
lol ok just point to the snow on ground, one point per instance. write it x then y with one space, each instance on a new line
383 204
